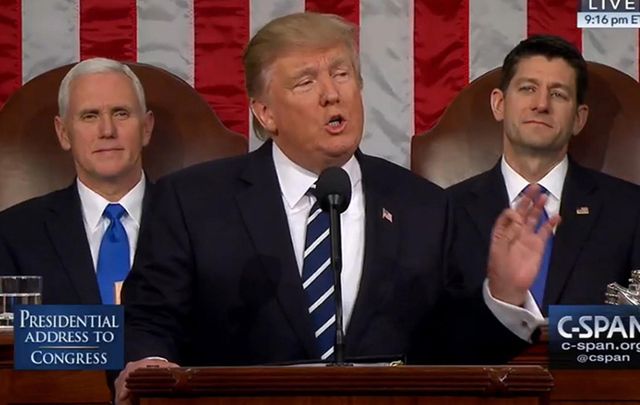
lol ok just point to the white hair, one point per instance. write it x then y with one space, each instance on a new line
97 65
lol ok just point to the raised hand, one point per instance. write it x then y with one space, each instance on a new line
516 249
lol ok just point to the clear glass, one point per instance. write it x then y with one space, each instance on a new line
16 290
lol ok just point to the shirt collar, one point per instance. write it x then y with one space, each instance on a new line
93 204
295 180
552 181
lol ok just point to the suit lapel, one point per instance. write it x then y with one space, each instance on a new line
146 204
579 210
68 237
381 246
266 222
491 199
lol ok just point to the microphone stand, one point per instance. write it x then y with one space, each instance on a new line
336 265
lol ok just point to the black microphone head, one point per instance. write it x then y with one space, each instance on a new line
333 187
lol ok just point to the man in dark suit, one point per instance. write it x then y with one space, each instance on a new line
224 275
541 104
104 123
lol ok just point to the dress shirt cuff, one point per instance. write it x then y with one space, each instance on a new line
521 321
156 358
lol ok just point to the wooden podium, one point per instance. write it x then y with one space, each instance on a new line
342 385
573 387
517 383
47 387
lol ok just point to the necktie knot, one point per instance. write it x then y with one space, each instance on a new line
114 212
543 189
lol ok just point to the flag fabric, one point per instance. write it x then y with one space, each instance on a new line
416 54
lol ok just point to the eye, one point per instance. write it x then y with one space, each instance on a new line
527 88
559 94
342 75
89 116
121 114
304 83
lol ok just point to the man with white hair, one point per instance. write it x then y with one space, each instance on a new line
82 239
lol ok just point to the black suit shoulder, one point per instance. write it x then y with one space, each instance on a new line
460 191
24 218
401 183
608 183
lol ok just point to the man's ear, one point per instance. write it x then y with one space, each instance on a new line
62 133
264 115
497 104
581 118
147 127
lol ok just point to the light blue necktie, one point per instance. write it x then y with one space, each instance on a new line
538 287
113 258
317 281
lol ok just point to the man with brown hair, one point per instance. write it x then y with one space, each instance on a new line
541 104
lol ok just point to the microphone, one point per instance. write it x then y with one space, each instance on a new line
333 191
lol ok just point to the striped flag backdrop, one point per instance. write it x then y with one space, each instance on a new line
416 54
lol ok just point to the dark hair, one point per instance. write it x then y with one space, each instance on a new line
552 47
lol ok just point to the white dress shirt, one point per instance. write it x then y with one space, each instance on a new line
95 225
523 321
295 181
552 181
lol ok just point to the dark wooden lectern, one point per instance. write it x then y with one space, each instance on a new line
47 387
342 385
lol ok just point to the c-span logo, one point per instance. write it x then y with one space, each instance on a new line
68 337
594 336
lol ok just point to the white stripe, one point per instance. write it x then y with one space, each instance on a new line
495 27
324 327
50 36
316 243
316 274
616 47
313 216
327 354
321 300
261 12
165 36
386 53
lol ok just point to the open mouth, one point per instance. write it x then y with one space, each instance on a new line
336 123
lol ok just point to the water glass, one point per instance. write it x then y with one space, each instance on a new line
16 290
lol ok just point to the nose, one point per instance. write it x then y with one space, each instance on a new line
541 101
107 129
329 93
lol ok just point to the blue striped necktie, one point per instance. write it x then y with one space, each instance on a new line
113 258
317 281
538 287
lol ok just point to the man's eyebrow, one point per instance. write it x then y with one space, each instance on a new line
554 85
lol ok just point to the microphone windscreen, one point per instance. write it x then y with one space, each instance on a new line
333 181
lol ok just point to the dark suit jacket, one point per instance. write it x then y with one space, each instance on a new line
218 284
597 242
45 236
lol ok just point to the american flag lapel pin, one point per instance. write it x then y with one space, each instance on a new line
387 215
582 211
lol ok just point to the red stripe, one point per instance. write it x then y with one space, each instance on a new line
108 29
441 57
347 9
557 17
10 48
221 32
